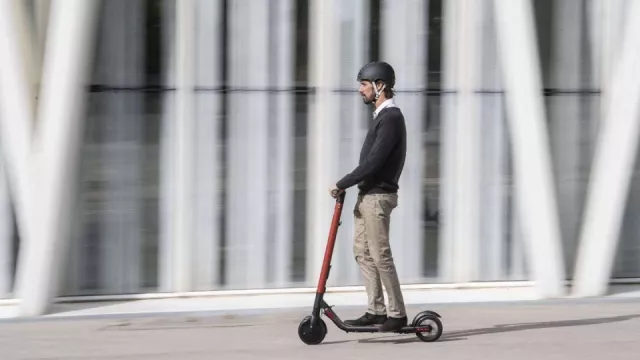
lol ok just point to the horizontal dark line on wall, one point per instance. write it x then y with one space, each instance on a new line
268 89
310 90
107 88
552 91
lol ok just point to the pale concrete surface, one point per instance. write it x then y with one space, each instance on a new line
284 300
287 301
564 329
296 298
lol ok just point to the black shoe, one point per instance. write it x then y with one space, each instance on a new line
393 324
367 319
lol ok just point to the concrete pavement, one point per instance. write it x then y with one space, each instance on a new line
562 329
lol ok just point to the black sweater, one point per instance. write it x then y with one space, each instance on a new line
382 156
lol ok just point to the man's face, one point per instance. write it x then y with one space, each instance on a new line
367 93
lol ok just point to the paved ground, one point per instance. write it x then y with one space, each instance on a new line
567 329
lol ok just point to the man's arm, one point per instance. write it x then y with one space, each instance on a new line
386 138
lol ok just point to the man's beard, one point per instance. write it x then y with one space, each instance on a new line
367 101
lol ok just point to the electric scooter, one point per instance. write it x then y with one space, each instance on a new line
312 330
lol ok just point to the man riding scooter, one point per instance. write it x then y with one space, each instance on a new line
377 176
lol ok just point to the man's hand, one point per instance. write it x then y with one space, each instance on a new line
334 191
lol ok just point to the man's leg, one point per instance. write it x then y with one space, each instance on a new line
376 311
376 211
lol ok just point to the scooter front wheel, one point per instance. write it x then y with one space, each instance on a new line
311 336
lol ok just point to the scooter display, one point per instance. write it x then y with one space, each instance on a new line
312 330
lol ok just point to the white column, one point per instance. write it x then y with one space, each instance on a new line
283 21
249 165
448 170
403 46
207 116
184 200
359 124
6 234
612 168
166 253
323 134
58 142
532 164
460 257
493 239
354 122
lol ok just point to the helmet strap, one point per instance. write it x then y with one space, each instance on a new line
378 92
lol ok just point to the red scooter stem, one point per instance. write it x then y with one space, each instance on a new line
333 231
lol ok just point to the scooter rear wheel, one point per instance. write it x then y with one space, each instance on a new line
311 336
421 314
435 328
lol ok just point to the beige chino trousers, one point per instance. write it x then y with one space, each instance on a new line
372 215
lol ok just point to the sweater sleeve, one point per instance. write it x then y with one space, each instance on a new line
386 138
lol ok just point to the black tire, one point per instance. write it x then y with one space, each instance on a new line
419 315
312 336
432 321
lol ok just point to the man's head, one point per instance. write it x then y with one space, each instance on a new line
376 82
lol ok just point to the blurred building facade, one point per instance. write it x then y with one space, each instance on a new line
214 128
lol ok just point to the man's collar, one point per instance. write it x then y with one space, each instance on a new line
387 103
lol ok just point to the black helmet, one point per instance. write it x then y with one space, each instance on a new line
378 71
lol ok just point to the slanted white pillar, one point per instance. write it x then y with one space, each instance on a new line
30 51
532 164
184 195
612 168
403 46
460 250
41 12
13 20
323 134
6 234
39 38
208 102
57 144
566 118
607 21
16 119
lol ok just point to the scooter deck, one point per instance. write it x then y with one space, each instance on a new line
368 328
376 329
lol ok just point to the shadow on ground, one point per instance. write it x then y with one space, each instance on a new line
464 334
